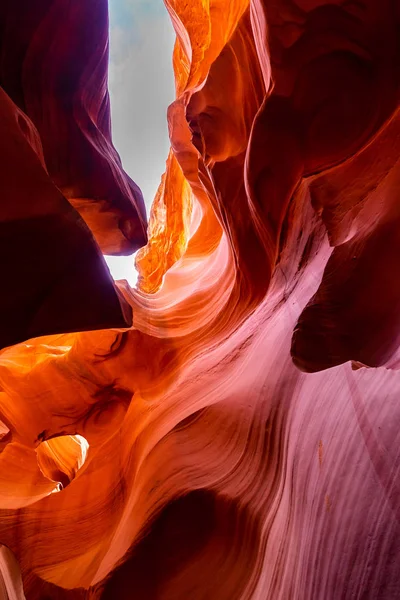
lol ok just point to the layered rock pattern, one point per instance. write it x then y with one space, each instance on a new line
241 439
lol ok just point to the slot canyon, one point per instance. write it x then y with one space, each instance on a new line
229 428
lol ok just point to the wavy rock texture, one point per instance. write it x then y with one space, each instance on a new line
62 87
54 275
241 440
10 576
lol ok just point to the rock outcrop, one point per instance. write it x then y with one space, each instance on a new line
241 439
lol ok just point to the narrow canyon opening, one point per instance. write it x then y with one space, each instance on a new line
141 87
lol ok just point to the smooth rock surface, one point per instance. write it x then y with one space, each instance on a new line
241 440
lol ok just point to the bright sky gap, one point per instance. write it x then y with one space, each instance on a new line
141 85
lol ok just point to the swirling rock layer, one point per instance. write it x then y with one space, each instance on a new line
241 439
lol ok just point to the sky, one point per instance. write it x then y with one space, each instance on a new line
141 86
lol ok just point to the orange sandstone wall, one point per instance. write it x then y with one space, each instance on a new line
241 439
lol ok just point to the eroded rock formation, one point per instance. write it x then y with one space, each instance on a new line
241 439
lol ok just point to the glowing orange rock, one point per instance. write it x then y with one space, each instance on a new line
203 459
10 576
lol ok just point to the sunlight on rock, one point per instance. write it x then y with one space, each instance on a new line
10 576
61 457
229 429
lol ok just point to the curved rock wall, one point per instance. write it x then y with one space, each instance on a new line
241 439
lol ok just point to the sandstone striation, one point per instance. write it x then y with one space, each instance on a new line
241 439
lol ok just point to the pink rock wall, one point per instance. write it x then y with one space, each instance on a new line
241 439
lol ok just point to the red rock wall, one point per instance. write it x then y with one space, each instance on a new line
241 440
